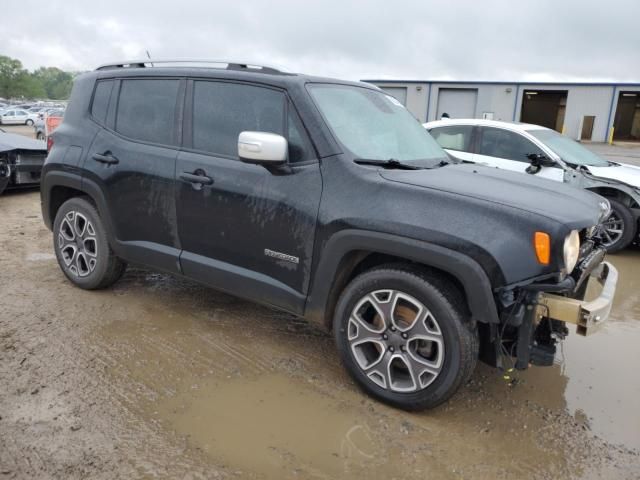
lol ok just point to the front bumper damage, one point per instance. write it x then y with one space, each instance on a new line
588 316
535 318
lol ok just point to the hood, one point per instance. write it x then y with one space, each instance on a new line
577 208
622 172
11 141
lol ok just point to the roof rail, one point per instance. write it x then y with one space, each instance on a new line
228 64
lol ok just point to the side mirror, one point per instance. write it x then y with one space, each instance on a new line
262 148
539 160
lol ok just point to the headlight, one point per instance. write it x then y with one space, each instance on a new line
571 250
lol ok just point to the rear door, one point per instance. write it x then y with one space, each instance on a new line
501 148
132 162
245 228
21 117
457 140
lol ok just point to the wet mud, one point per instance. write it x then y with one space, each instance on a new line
159 377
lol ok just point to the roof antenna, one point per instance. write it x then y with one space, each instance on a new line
149 57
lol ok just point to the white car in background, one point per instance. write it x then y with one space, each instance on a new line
17 116
536 150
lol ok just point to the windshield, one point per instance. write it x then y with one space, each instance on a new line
568 149
375 126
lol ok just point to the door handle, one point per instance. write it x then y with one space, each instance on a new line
105 158
197 177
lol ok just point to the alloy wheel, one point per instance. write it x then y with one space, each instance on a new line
396 341
611 230
78 244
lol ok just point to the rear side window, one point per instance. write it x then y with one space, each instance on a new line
147 110
222 110
101 99
454 137
499 143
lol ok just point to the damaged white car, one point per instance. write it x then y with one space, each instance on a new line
545 153
21 161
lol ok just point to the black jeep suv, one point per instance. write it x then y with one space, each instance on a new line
326 199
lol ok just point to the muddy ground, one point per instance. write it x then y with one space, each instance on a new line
159 377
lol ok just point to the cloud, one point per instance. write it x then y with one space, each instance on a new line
422 39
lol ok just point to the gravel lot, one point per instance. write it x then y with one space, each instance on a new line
159 377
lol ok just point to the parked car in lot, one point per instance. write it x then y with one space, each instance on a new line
16 116
326 199
21 161
51 111
42 131
546 153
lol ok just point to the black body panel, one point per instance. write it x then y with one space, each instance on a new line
246 210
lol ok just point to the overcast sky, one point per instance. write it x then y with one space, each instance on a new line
421 39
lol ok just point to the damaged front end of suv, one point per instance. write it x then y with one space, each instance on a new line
535 315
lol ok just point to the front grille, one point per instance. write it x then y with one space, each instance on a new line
22 178
30 159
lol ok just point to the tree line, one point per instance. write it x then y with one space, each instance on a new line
44 83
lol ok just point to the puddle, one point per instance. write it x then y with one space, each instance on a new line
271 425
603 382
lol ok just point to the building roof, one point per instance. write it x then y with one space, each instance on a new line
491 82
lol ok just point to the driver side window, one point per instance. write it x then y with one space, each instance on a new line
495 142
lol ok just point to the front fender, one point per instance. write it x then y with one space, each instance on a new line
468 272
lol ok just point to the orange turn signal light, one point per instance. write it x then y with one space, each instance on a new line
542 243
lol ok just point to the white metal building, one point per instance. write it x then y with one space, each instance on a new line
597 112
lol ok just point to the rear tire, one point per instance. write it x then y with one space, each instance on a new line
82 248
405 336
620 218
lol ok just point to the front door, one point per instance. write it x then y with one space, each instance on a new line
245 228
506 149
9 117
132 160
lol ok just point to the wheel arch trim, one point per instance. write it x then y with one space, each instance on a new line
53 179
474 280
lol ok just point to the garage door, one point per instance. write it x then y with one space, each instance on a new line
399 93
457 102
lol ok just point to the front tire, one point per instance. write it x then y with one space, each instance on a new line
405 337
81 246
29 123
619 229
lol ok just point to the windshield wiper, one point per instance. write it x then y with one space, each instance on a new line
391 163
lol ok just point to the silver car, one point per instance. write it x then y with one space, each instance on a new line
16 116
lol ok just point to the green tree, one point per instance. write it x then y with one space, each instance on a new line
30 86
56 83
45 82
11 74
